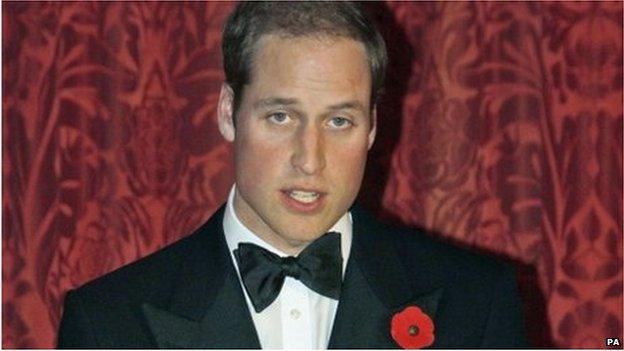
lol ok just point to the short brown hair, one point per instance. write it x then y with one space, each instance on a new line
251 20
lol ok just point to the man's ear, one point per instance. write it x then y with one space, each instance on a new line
225 112
373 130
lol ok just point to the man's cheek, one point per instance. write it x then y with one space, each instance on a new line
259 165
348 160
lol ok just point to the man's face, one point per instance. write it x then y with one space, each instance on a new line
303 130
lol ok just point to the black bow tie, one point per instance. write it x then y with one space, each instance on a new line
318 266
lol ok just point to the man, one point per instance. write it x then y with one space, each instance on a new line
289 261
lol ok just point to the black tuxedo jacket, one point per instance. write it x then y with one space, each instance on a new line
188 296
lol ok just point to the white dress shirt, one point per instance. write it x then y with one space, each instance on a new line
299 318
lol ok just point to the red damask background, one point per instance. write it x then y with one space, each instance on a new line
500 129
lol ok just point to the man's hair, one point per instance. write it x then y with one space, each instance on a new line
251 20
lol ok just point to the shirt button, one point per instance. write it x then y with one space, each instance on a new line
295 314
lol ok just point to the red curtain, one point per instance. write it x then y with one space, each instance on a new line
500 129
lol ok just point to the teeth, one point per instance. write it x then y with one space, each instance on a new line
304 196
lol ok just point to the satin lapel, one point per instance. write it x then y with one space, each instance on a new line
208 308
375 287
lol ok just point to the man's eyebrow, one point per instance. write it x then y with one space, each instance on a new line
281 101
348 105
275 101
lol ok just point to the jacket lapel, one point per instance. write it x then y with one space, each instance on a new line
208 308
375 287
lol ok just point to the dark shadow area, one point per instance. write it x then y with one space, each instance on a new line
534 305
389 107
533 299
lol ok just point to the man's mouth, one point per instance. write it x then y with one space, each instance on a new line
303 200
305 197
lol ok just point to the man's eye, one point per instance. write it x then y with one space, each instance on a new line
340 122
278 117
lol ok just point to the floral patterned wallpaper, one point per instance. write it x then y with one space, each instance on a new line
500 129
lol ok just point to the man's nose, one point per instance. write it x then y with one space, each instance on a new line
309 154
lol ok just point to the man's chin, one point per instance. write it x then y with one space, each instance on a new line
297 241
302 237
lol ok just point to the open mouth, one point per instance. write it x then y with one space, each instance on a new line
303 201
306 197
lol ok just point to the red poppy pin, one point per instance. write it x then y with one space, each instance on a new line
412 328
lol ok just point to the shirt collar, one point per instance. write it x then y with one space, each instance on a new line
236 232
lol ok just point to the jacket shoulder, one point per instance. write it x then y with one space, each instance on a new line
443 262
107 312
148 278
451 261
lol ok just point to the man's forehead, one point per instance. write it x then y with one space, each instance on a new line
288 40
318 36
318 58
305 72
